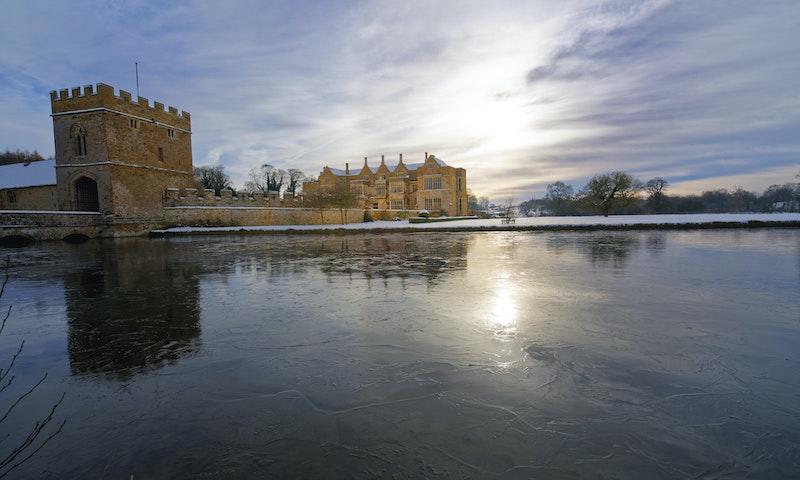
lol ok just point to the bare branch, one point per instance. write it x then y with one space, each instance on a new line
8 384
5 372
22 397
12 467
5 318
37 429
6 275
12 459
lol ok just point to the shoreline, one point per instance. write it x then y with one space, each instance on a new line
344 230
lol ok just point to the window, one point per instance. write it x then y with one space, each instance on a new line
433 204
458 184
12 196
397 187
396 204
357 188
160 154
433 183
170 133
380 189
78 137
133 123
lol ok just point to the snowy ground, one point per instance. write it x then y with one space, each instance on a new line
524 222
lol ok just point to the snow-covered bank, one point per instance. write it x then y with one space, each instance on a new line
526 223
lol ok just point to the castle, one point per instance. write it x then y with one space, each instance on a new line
431 185
124 166
112 155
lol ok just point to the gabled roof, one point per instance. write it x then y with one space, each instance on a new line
392 167
15 175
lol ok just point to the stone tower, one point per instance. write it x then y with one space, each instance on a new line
117 156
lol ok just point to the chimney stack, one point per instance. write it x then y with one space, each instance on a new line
426 156
347 168
365 161
401 158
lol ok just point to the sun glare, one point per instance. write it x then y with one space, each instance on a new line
503 313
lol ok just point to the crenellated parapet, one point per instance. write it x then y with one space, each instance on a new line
102 96
193 197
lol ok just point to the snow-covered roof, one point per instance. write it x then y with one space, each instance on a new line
30 174
391 166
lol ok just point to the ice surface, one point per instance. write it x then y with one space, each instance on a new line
624 355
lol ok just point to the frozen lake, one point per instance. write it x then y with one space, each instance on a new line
628 355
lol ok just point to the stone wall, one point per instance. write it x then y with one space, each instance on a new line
197 216
193 197
388 214
51 225
40 197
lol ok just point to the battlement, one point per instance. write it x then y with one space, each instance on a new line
192 197
103 96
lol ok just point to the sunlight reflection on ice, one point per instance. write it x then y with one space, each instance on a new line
503 314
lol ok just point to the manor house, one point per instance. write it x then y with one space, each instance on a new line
431 185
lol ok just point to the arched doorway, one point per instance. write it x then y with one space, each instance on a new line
86 199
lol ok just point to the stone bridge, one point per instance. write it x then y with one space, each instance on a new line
19 227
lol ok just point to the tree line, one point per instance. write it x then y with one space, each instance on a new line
262 179
19 156
620 193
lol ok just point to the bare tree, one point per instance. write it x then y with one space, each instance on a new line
213 178
610 191
295 179
19 156
42 431
560 197
472 201
320 199
656 197
265 178
343 198
509 210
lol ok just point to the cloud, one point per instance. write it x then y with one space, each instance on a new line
519 93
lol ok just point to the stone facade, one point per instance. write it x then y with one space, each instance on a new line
40 197
115 155
431 185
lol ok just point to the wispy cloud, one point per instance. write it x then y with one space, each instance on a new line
519 93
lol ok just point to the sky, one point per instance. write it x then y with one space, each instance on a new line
703 93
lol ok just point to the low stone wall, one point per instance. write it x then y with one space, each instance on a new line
57 225
376 214
50 225
192 197
195 216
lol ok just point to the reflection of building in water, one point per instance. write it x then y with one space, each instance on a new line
395 255
136 309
